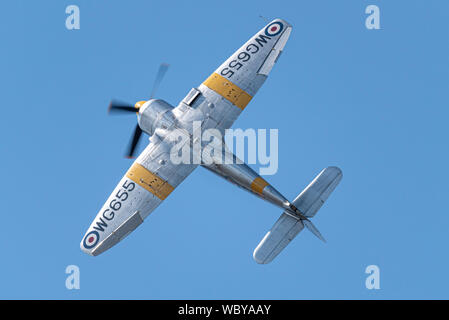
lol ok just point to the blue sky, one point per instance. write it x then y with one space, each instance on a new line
373 102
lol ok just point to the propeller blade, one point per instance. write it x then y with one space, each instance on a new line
160 75
120 107
133 144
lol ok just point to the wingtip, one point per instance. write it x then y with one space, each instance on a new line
287 24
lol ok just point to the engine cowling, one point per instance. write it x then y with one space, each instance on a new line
156 114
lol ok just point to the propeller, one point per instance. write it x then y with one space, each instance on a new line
118 107
160 75
133 144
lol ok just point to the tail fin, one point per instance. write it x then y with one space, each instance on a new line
306 205
309 225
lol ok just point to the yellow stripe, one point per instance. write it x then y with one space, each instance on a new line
258 185
148 180
228 90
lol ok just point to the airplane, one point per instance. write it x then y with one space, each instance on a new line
215 104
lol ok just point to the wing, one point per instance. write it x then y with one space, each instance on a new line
231 87
151 179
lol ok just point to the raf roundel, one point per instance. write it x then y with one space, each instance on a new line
274 29
91 239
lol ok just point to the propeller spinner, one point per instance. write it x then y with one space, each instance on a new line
116 107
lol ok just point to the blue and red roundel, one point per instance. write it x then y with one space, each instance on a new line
91 239
273 29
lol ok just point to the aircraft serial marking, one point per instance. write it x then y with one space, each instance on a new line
244 56
91 239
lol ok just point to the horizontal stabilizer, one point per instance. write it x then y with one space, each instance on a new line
287 227
283 231
312 198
